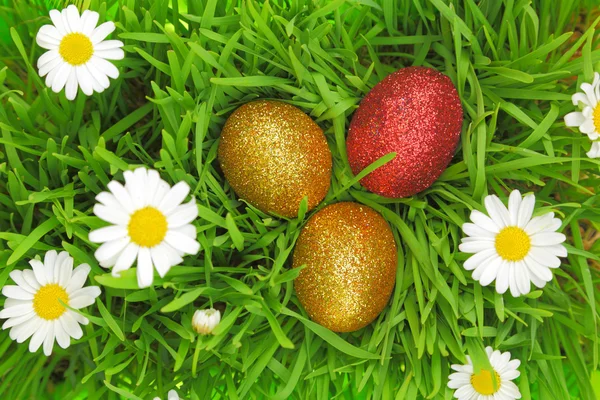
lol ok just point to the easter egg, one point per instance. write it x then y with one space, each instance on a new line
416 113
350 260
273 155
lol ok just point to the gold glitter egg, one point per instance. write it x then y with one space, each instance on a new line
351 259
273 155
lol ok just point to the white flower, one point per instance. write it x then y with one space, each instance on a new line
587 120
33 308
205 321
594 151
486 385
510 246
149 224
172 396
78 53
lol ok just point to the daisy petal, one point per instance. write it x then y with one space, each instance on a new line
526 210
112 54
108 233
78 278
84 297
182 242
522 278
174 198
479 258
85 80
502 278
61 77
477 231
183 215
575 118
547 238
74 20
134 184
70 325
126 259
512 279
100 78
17 310
544 258
17 276
62 338
40 271
497 211
47 57
24 331
89 20
64 272
56 18
145 272
539 224
490 272
110 249
72 85
594 151
108 45
112 215
514 203
50 66
16 292
587 127
160 259
483 221
102 31
104 67
122 195
29 277
54 275
38 337
49 339
542 272
476 246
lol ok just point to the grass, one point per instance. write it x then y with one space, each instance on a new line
515 65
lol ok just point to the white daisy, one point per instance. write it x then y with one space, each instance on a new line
78 53
486 385
510 246
205 321
588 119
172 395
33 308
149 224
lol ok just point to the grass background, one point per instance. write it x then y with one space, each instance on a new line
515 65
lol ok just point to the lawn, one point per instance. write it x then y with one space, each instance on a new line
187 66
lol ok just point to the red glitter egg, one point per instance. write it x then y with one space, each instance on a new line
414 112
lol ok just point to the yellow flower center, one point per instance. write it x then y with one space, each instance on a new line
147 227
76 48
512 243
45 301
485 383
597 117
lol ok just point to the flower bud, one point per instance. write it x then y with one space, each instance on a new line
205 321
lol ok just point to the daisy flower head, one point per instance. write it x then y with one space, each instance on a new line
588 119
149 224
510 246
33 306
205 321
77 52
496 384
172 395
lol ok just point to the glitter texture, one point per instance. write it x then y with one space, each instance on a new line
351 258
415 112
273 154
